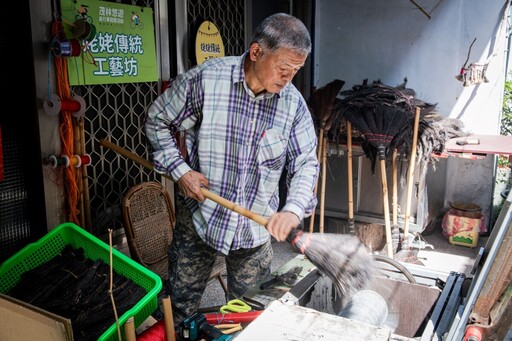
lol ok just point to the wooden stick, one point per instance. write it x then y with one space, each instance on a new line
319 155
78 172
322 191
209 195
85 179
351 224
395 188
410 176
385 201
168 319
129 329
111 281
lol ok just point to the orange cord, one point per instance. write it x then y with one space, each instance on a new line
67 139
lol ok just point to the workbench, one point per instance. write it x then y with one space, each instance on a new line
304 310
281 321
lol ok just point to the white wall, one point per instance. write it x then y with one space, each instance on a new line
393 39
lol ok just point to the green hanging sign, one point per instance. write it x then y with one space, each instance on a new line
116 42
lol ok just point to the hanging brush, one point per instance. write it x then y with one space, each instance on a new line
342 258
321 104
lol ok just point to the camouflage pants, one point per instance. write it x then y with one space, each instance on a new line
191 262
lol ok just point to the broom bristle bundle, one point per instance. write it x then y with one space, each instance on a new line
341 257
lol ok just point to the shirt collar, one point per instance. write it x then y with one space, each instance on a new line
239 76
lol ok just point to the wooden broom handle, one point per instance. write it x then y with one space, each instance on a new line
322 189
319 156
350 185
410 175
209 195
385 202
395 187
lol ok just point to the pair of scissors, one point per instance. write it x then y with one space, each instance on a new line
235 306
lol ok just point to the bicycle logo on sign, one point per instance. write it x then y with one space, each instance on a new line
136 22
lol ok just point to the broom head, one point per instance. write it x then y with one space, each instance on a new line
341 257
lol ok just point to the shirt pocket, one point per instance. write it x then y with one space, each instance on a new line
271 151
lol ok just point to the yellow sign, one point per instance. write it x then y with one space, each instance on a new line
208 42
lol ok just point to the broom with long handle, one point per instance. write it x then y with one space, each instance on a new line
410 177
379 125
342 258
321 104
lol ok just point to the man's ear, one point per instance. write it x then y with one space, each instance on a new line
255 51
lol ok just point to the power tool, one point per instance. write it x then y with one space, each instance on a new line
195 327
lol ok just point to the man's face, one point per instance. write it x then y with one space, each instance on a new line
273 70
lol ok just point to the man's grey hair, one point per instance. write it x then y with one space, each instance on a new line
282 30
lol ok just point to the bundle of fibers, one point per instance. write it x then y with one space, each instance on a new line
321 104
341 257
434 131
377 111
77 288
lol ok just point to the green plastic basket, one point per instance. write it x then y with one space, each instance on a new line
53 243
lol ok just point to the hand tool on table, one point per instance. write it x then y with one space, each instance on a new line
235 306
287 278
196 326
229 328
342 258
218 318
255 305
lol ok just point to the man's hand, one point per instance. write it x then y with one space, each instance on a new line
190 185
281 223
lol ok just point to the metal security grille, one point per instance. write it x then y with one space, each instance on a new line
116 113
15 227
227 15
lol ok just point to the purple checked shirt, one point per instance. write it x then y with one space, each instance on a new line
241 143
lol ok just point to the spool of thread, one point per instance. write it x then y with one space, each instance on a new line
366 306
75 105
80 160
59 161
91 34
66 48
83 30
52 105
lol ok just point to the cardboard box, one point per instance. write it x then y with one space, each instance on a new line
23 321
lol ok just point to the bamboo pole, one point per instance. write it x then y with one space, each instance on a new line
385 201
168 319
395 188
410 177
322 190
85 179
351 223
129 329
319 155
78 173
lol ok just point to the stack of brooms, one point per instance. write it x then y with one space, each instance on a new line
392 122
